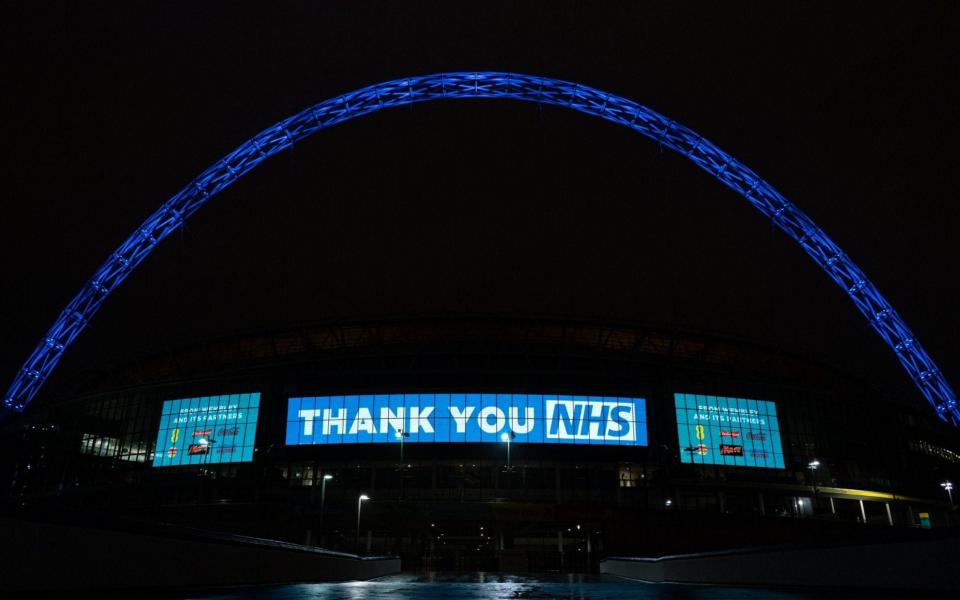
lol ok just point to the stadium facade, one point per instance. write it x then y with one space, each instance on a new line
484 442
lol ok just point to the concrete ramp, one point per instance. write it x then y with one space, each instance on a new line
45 556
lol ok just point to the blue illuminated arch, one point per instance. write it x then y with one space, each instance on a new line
664 131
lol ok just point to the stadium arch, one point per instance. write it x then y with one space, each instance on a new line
484 84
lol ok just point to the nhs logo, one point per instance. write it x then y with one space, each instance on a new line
452 418
602 420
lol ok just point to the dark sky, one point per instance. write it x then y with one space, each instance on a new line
481 206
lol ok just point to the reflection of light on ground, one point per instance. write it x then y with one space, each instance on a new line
504 586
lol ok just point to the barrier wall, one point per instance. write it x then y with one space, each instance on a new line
923 565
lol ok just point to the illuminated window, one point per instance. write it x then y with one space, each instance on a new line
628 477
99 445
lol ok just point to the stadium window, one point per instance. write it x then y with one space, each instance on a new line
308 476
628 478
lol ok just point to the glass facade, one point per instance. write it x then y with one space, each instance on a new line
97 448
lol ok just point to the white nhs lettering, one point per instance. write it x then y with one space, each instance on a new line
591 420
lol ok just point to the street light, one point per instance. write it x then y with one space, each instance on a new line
400 435
813 465
948 485
508 437
360 504
323 500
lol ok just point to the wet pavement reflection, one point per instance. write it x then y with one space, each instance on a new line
498 586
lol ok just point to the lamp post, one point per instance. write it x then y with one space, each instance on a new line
948 485
323 501
813 465
359 505
508 437
400 435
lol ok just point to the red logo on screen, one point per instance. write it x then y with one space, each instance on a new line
759 454
226 450
729 434
204 433
231 431
757 437
730 450
194 449
702 450
172 452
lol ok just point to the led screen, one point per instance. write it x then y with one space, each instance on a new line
539 419
212 429
715 430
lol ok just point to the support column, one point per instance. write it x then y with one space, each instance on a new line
863 512
560 547
833 507
619 485
889 514
557 476
763 507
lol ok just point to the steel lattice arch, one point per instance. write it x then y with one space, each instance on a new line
666 132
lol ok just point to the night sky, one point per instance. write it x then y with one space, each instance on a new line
480 207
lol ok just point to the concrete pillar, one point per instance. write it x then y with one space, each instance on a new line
619 485
863 511
833 507
558 474
889 514
560 547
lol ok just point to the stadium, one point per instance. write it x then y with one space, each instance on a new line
488 442
469 442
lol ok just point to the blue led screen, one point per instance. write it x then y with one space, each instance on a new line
715 430
532 418
208 430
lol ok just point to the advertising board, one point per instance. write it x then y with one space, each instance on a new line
207 430
446 418
716 430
